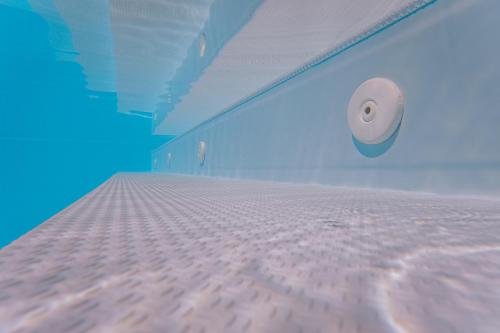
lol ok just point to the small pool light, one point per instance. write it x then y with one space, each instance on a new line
375 110
203 45
169 160
202 146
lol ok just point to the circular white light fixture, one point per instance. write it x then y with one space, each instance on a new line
202 146
375 110
203 45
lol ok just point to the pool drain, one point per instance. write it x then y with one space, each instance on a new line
169 160
375 110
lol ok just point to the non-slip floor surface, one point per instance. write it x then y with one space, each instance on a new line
158 253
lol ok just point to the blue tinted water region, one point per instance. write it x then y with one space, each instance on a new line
58 140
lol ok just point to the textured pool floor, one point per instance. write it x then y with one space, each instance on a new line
159 253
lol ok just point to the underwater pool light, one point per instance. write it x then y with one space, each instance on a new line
375 110
202 146
203 45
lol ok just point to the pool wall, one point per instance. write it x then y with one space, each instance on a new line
445 60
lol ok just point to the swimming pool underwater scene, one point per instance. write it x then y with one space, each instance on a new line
249 166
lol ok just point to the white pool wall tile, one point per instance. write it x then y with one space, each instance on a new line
445 60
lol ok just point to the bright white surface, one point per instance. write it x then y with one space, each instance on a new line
282 36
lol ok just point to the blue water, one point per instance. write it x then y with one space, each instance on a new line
58 140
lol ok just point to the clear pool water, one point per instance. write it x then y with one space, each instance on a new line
203 166
58 139
73 74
